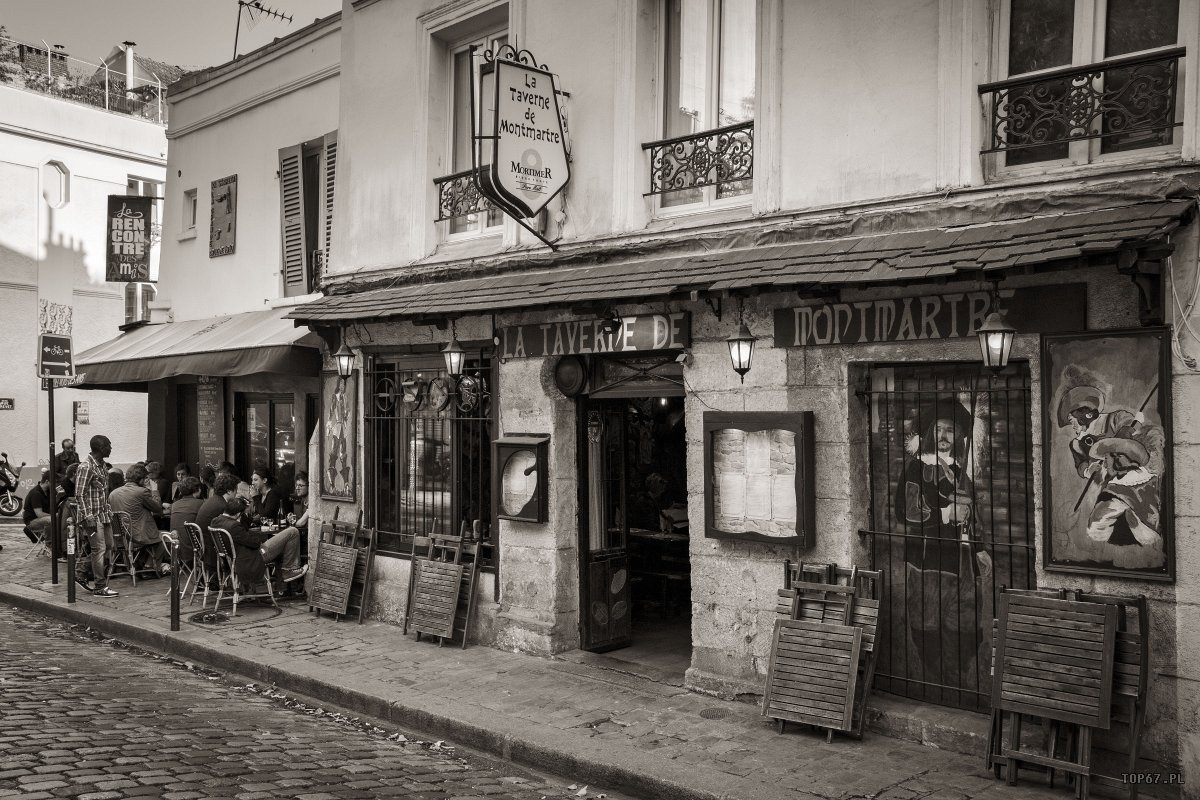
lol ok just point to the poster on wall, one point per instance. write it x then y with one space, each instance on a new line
338 439
222 231
758 477
1107 458
128 252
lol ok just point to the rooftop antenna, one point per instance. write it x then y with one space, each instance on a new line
255 9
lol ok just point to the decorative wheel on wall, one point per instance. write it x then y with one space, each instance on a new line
385 395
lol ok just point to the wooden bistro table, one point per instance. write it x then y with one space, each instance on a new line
1054 660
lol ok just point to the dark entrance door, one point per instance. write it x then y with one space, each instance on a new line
952 520
604 580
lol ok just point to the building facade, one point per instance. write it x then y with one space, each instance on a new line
858 187
54 189
249 181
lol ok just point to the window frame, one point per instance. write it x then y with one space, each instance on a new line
142 294
191 210
1087 47
709 201
475 226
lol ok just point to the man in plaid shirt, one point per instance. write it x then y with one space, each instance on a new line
95 516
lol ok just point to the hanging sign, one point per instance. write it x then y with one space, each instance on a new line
222 230
128 251
646 332
529 163
1034 309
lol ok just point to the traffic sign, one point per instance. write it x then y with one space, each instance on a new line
56 356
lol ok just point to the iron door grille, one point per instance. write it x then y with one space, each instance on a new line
952 521
430 458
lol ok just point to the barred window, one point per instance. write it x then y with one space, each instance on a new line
430 458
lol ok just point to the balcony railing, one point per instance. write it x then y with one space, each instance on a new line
1127 102
458 196
710 158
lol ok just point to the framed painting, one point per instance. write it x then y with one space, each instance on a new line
1106 458
339 437
758 477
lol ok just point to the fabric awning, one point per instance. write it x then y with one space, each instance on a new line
891 256
236 344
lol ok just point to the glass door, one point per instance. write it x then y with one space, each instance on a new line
267 436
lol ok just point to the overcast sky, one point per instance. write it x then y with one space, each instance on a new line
188 33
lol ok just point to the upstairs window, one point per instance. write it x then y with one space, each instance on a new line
306 182
463 209
190 208
1085 78
144 187
137 301
707 150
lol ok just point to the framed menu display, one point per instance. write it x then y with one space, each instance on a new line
758 477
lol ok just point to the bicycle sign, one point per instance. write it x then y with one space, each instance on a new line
56 356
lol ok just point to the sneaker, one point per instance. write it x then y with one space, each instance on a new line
87 586
164 569
105 592
295 575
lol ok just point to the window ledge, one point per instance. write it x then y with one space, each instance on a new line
482 244
1050 171
185 235
684 217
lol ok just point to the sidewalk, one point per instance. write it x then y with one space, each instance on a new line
579 720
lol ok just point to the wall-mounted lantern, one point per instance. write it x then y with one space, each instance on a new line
995 336
741 346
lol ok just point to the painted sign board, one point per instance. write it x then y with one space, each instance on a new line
1034 309
210 419
7 404
56 356
222 230
529 152
646 332
128 241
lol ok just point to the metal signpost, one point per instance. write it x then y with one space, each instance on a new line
56 359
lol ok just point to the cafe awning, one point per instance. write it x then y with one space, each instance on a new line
928 253
235 344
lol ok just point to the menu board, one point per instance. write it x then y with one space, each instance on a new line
210 419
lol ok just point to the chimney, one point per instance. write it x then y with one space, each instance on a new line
129 65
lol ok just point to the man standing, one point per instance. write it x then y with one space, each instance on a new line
95 516
66 458
37 509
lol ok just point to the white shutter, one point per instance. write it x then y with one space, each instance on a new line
291 209
327 183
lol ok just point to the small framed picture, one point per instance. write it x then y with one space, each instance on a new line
1107 472
519 477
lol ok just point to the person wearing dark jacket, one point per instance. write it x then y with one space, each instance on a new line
265 498
184 509
255 550
224 489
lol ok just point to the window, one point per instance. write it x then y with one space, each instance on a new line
709 62
137 301
56 184
190 207
306 182
144 187
469 213
431 452
266 436
1086 78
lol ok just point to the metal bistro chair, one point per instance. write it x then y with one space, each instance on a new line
197 571
227 577
125 552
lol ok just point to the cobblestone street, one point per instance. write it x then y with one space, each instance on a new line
83 717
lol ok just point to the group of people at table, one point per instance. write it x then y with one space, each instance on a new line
265 526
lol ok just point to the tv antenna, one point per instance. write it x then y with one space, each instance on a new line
255 10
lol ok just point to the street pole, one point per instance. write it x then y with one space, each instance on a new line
175 586
53 490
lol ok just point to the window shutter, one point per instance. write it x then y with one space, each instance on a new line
291 209
327 183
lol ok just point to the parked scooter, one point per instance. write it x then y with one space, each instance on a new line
10 504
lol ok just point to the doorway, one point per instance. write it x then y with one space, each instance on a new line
635 573
266 436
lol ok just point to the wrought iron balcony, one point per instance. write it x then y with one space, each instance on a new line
458 196
709 158
1127 102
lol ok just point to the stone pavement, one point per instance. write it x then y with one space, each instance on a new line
602 726
87 718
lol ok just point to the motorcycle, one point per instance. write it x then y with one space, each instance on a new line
10 504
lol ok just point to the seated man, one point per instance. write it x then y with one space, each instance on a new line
256 550
136 500
37 509
187 504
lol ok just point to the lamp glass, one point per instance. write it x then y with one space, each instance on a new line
995 340
741 351
345 361
454 355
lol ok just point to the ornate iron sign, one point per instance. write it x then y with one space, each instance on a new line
529 162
